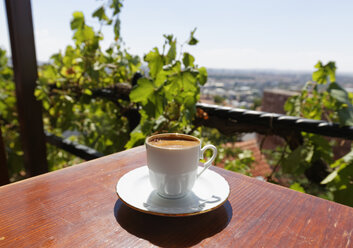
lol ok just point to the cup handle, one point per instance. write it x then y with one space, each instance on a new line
209 162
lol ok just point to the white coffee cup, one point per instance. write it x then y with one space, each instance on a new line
173 164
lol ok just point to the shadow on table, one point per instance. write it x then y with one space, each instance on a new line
173 231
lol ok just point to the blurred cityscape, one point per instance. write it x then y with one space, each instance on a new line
245 88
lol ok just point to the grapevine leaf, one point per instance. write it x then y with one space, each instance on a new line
192 40
117 29
318 65
324 71
296 162
202 77
142 91
172 89
150 108
188 60
136 138
146 126
168 37
100 14
322 146
87 92
158 106
116 5
290 164
346 116
344 184
85 34
319 77
338 93
190 101
297 187
79 20
331 69
155 62
171 52
188 81
160 79
345 111
330 177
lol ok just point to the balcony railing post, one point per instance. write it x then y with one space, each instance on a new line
24 61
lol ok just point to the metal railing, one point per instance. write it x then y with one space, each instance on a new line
243 120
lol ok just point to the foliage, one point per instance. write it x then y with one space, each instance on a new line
256 103
167 95
218 99
67 85
313 161
240 160
8 116
232 158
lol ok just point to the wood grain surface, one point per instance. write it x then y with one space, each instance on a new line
78 207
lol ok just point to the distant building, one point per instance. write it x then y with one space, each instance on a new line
273 100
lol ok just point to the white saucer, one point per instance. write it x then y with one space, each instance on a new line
210 191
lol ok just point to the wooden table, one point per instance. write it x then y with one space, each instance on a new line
78 207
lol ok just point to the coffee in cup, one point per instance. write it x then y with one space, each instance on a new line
172 160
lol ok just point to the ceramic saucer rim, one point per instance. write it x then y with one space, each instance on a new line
173 214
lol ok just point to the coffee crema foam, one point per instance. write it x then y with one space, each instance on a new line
173 143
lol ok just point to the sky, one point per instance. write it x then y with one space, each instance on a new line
253 34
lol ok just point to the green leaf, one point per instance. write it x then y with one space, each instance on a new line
108 142
100 14
331 68
161 78
155 62
297 187
297 160
344 184
116 5
345 111
85 34
192 40
345 115
157 105
137 138
323 149
147 126
348 158
202 77
142 91
318 65
172 51
190 101
338 93
319 77
168 37
117 29
188 81
188 60
172 89
87 92
149 108
79 20
330 177
324 71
